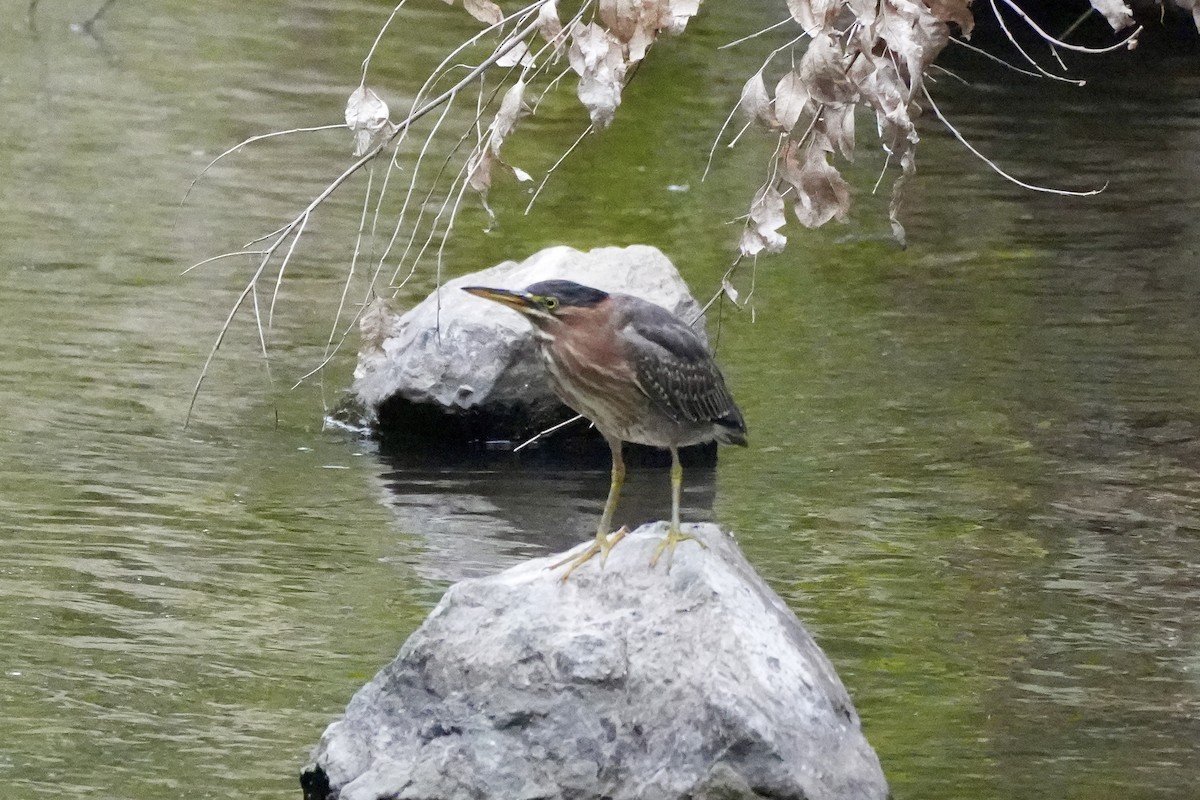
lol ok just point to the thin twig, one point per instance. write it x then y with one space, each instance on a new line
555 166
283 267
262 343
1124 43
1032 61
378 38
547 432
1050 190
717 139
412 185
300 219
242 144
756 34
997 59
362 223
222 256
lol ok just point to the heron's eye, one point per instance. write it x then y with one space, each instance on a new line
551 303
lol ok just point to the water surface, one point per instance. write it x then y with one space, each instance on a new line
974 463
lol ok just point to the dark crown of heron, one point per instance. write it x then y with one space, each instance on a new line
558 293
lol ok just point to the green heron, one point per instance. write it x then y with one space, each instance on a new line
637 371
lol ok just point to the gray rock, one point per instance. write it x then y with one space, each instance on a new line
455 356
626 682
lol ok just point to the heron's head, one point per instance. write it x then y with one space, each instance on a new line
546 302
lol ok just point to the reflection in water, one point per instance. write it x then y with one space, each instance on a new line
973 472
474 514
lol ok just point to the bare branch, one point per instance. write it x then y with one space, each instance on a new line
222 256
1127 43
938 113
1032 61
547 432
245 142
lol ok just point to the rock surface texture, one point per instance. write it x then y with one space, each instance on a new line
624 682
458 363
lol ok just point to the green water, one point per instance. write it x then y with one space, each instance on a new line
975 464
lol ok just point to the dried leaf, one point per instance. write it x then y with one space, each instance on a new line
634 23
517 54
678 14
637 23
597 59
729 290
485 11
755 103
479 170
823 72
864 10
549 25
813 15
881 87
479 176
791 98
1115 11
956 11
837 122
521 174
913 35
511 107
367 119
908 167
766 217
821 192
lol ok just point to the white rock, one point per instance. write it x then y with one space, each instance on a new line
624 682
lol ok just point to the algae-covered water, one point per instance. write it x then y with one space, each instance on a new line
974 468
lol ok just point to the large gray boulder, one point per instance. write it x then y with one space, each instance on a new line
624 682
458 366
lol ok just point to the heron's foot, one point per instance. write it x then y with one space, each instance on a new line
670 541
601 546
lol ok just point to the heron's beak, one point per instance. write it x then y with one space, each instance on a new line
513 298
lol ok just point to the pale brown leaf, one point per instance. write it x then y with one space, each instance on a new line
837 122
479 170
956 11
755 103
511 108
881 87
549 25
791 98
479 176
766 218
367 118
679 12
813 15
822 193
485 11
1115 11
729 290
597 59
517 54
823 72
635 23
913 35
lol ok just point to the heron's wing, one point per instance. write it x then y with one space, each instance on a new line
675 370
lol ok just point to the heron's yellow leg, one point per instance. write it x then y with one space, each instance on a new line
674 534
604 540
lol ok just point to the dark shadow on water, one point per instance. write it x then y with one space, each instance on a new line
476 512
